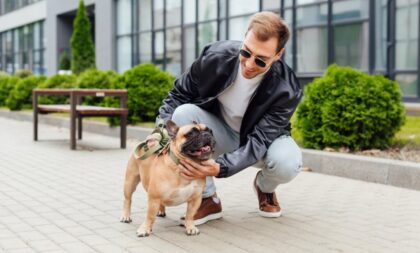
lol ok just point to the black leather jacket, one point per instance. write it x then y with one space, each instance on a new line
269 111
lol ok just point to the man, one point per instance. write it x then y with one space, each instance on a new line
246 94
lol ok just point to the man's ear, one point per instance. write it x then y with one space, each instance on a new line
172 128
280 54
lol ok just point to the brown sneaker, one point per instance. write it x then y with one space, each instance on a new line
269 206
210 209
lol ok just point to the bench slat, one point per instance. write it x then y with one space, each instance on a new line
84 110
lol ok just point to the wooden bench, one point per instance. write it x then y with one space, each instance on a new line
76 110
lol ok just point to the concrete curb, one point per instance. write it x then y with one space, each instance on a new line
377 170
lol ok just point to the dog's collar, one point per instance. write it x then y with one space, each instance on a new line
173 156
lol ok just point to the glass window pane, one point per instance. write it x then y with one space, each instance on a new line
145 45
311 57
207 10
189 46
239 7
207 33
123 16
407 35
380 34
408 84
222 30
300 2
124 53
288 3
350 9
173 12
271 5
189 11
145 16
173 51
158 13
311 15
238 27
159 48
351 45
222 8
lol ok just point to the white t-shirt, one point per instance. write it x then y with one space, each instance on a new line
235 100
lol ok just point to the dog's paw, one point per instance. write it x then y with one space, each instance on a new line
161 214
192 231
141 232
125 219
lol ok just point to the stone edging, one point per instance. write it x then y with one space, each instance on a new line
371 169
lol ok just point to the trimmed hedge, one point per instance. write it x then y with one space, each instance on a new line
349 108
23 73
20 96
57 81
7 83
147 86
97 79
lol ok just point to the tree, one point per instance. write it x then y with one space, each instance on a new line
83 49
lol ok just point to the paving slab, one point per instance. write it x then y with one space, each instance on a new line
53 199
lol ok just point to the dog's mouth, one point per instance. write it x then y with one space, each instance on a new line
207 149
199 152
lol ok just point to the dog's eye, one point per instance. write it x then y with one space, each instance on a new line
193 132
208 130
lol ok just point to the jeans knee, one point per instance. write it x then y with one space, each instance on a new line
185 114
285 170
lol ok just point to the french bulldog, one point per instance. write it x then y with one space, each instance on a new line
161 177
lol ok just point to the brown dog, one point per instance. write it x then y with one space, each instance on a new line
161 178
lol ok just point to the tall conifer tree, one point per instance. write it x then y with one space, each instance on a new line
82 47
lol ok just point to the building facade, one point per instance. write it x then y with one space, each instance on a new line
376 36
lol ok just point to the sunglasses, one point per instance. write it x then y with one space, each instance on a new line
258 61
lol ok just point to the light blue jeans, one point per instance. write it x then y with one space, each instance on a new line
281 164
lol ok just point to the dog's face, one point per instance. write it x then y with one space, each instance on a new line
194 141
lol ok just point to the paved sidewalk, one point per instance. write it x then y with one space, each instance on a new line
56 200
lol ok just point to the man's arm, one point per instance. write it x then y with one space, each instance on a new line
184 90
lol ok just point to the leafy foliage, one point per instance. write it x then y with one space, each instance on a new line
147 86
349 108
83 49
20 96
57 82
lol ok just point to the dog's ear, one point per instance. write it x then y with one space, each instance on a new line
172 128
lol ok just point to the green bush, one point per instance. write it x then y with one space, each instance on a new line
57 82
97 79
6 85
82 47
348 108
65 63
21 95
147 86
23 73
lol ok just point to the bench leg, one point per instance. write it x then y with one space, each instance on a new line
73 117
35 124
35 119
79 129
123 130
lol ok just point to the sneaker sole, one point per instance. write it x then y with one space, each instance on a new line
214 216
266 214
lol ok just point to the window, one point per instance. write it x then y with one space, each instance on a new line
380 34
408 84
407 26
240 7
312 50
124 53
124 17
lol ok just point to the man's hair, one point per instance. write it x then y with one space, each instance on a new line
266 25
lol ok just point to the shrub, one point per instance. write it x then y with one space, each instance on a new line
6 85
147 86
65 63
57 81
4 74
82 47
349 108
21 95
97 79
23 73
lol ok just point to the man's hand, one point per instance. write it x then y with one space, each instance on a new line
192 170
